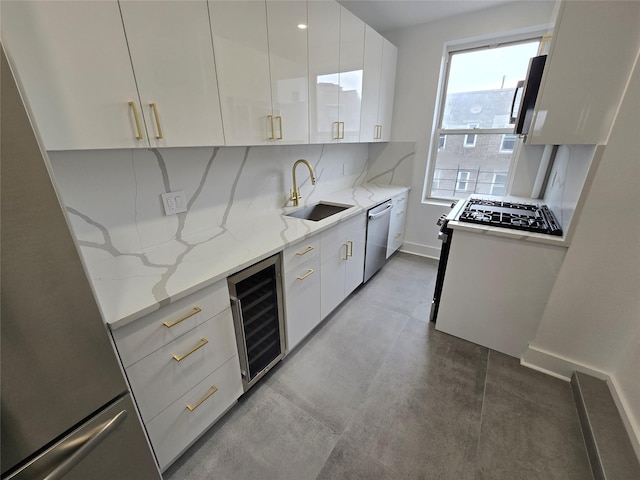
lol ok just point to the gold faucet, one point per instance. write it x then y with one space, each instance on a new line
295 194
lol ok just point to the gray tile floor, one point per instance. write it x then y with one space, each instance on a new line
378 393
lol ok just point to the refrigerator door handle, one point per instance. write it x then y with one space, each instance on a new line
106 429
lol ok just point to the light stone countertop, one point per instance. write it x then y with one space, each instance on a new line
127 289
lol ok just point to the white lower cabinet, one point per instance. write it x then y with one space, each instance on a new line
302 293
182 366
397 222
342 262
158 379
186 419
301 264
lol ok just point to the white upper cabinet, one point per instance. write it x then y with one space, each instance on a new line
172 56
241 51
261 56
287 21
73 65
336 62
387 89
380 58
592 53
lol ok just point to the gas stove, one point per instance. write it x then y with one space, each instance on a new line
520 216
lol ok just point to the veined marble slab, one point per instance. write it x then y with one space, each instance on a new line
138 259
129 286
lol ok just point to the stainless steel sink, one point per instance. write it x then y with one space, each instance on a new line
318 211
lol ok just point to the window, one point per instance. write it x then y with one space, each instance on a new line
462 183
473 143
508 143
499 183
470 138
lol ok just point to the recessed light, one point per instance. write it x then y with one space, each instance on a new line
302 26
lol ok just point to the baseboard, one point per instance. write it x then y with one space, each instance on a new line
630 424
562 367
421 250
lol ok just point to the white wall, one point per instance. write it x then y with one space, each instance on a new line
592 319
420 51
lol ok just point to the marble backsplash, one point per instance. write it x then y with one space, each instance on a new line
115 208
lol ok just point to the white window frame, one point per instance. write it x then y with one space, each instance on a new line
466 143
495 177
463 177
449 49
504 136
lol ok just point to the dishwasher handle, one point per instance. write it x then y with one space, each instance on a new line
380 214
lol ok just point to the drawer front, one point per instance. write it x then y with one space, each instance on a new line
141 337
177 427
301 252
302 300
159 379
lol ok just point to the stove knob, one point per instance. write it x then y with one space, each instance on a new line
440 220
453 204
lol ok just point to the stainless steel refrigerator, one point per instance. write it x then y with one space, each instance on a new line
66 410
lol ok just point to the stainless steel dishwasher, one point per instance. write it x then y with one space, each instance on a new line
377 233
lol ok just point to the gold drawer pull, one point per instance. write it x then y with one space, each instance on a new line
154 107
350 251
183 318
305 251
398 235
201 344
137 120
309 273
213 390
273 133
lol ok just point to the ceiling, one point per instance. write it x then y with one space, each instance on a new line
384 15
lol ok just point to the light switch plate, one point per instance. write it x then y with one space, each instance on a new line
174 202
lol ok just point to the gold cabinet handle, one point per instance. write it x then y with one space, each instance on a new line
398 235
379 132
202 343
346 251
157 117
308 274
350 250
342 136
280 125
400 212
211 391
273 133
305 251
183 318
337 124
137 119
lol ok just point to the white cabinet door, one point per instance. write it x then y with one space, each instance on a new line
288 68
170 46
355 232
387 89
593 51
302 293
373 44
397 223
324 71
351 69
380 58
242 59
336 62
73 65
342 254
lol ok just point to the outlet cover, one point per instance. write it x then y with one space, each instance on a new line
174 202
